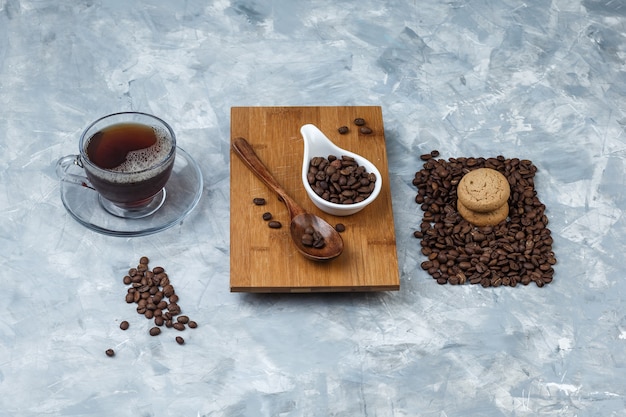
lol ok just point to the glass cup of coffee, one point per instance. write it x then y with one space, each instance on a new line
127 158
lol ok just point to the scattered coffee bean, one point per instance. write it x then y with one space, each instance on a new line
340 227
365 130
517 251
359 121
343 130
124 325
180 340
183 319
275 224
267 216
434 153
426 157
144 260
340 181
110 352
155 331
259 201
192 324
178 326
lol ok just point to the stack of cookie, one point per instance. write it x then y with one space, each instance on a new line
482 197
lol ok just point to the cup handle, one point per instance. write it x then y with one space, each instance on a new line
63 166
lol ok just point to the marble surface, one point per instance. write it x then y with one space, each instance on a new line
537 79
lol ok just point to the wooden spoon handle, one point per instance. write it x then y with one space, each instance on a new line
246 153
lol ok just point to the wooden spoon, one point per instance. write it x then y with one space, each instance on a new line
300 219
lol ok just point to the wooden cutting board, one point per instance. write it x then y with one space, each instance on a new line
264 259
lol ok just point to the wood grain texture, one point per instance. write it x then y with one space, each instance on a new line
264 259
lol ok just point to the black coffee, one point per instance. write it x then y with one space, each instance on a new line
126 152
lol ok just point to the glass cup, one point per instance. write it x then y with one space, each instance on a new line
127 159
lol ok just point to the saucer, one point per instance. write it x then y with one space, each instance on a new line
183 191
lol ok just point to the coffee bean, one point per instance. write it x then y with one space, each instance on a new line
343 130
180 340
267 216
340 227
359 121
518 250
182 319
178 326
365 130
168 290
124 325
192 324
275 224
144 260
174 309
155 331
434 153
259 201
110 352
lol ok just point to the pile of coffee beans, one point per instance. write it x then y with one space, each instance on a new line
155 297
312 237
516 251
340 180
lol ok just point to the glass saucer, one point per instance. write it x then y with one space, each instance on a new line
183 190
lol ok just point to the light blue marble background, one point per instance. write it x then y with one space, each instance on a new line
537 79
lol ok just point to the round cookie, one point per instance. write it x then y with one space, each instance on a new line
490 218
483 190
